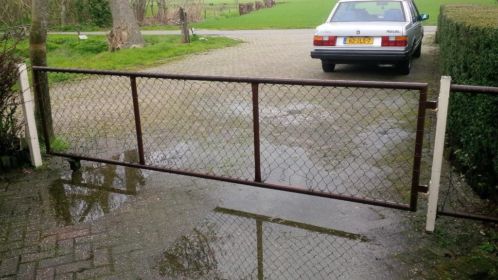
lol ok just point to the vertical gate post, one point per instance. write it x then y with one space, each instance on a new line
138 123
42 99
28 107
257 144
437 160
419 143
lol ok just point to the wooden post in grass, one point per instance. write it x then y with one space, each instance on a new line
184 26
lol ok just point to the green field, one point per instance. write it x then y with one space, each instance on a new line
307 14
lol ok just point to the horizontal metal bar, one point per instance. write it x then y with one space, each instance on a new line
474 89
431 105
242 182
302 82
423 189
468 216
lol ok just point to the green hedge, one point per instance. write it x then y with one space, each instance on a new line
468 38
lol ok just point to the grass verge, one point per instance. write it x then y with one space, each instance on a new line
458 249
69 52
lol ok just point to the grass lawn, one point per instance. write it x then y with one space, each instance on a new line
287 14
308 14
68 51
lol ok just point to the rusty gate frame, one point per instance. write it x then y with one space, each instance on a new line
423 105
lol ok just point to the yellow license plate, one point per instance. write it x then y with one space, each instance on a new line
359 41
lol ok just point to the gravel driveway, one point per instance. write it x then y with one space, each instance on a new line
286 54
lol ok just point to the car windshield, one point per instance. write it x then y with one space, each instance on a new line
361 11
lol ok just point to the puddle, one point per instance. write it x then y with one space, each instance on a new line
94 190
231 244
351 165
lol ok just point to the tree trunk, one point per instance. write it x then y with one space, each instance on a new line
38 54
184 26
161 11
140 8
63 12
125 31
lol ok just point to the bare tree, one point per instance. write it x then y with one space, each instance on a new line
38 53
161 11
150 5
63 11
140 8
125 32
14 12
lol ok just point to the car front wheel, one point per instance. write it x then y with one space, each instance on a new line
328 66
404 66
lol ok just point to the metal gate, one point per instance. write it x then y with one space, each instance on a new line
357 141
457 199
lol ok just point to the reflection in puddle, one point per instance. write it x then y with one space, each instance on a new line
93 191
231 244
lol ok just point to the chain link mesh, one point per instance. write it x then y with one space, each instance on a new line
198 126
456 196
92 115
351 141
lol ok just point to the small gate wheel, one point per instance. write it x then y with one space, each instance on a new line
74 164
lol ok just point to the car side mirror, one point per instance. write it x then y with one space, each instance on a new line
423 17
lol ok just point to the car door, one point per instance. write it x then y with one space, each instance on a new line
415 29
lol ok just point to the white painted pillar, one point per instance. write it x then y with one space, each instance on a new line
28 107
437 160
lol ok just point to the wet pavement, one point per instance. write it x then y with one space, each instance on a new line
111 222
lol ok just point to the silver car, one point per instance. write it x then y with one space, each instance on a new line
370 31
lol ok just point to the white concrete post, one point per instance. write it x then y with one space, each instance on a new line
28 107
437 160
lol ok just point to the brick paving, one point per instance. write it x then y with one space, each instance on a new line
170 229
36 243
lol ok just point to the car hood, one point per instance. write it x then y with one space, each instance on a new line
362 29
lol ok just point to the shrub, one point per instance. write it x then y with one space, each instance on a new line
468 38
100 12
9 124
95 12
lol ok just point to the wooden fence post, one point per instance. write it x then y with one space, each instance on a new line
437 160
28 107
